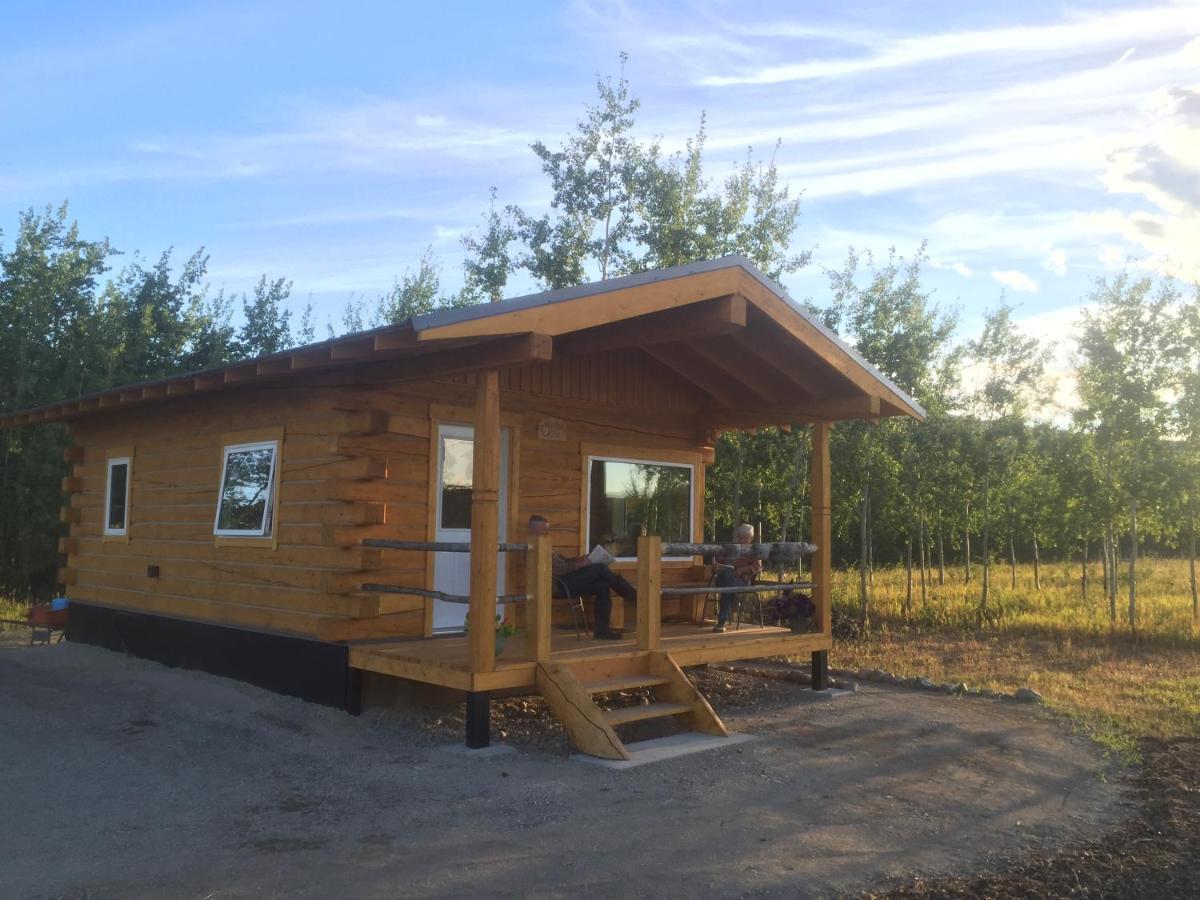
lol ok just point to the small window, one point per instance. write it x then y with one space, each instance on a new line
116 498
245 505
458 460
627 496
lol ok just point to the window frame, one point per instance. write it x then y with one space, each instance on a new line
117 458
241 537
692 464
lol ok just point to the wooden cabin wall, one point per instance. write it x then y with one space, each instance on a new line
301 585
357 461
556 413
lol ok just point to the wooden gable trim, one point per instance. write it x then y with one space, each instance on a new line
813 338
593 310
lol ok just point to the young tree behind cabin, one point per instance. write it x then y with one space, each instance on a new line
1126 347
1009 369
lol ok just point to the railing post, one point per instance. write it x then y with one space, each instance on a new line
537 607
485 523
649 599
822 564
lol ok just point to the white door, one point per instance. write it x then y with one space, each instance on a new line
452 571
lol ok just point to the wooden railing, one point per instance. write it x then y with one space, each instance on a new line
649 579
650 552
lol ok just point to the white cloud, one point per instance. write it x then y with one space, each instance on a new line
1015 279
1124 56
1159 162
954 266
1067 37
1056 261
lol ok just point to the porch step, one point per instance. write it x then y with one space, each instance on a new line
624 683
570 689
646 711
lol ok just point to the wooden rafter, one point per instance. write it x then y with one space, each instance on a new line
830 409
744 369
699 372
700 320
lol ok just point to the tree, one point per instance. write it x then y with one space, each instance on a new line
489 260
415 294
267 325
1008 369
1125 350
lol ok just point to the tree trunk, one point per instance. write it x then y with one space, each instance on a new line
987 561
864 596
1105 564
1012 562
908 568
941 556
1037 564
737 484
1192 560
967 544
1111 587
924 579
1083 581
1133 552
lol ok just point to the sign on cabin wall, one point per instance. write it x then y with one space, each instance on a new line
552 429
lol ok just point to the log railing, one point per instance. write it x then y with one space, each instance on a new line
649 581
536 598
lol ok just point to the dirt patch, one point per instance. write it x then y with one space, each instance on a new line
1156 855
237 792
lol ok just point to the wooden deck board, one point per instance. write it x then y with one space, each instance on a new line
443 660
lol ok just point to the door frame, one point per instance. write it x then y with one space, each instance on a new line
442 414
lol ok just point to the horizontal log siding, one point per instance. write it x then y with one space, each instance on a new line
355 463
301 585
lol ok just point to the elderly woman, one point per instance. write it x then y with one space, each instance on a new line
738 572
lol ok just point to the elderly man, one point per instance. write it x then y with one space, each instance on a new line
580 577
738 572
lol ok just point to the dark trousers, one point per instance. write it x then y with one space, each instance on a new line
726 578
599 581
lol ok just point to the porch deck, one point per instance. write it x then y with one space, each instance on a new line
443 660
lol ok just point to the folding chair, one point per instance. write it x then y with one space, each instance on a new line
578 610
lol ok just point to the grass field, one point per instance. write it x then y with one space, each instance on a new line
1118 687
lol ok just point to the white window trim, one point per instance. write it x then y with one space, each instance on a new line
269 508
587 521
128 464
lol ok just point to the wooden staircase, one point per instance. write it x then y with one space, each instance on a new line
570 687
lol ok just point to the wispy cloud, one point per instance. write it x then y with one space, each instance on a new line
1113 29
1056 261
1016 280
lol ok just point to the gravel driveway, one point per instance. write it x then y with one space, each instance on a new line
123 778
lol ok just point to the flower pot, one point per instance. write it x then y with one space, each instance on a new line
800 624
501 640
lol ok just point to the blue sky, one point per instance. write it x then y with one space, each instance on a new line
1035 146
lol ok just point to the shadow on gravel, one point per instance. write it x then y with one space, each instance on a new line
1156 855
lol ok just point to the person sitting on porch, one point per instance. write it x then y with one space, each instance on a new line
738 572
579 577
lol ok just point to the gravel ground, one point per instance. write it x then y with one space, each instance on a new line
122 778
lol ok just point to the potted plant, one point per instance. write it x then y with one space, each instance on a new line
503 631
796 609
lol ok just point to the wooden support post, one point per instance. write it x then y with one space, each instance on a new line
479 719
649 596
537 608
485 524
822 529
820 670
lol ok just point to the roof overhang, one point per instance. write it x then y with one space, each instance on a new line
758 357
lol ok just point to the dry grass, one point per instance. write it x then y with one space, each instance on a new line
1118 687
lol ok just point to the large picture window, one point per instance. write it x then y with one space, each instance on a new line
246 503
627 496
116 498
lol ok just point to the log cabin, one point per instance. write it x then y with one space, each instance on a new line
299 520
